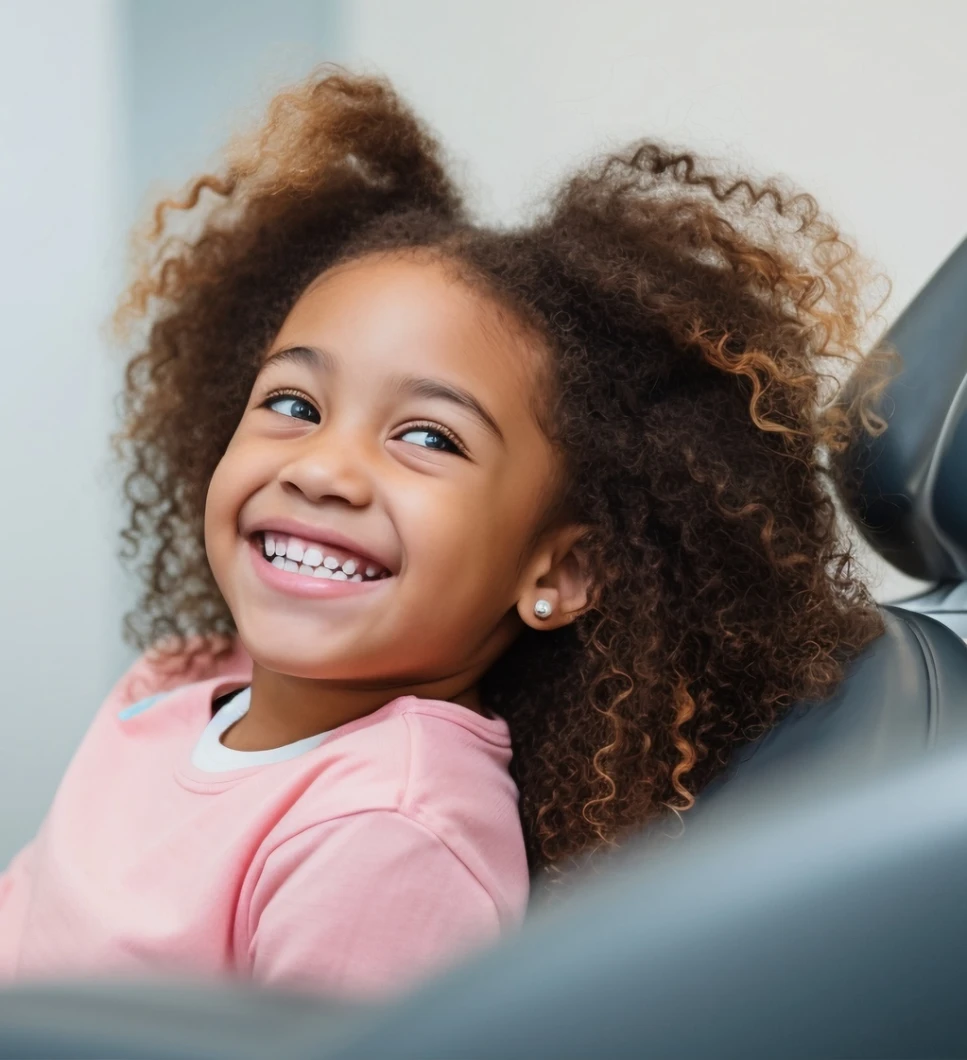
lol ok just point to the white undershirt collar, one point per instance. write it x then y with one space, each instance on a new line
212 756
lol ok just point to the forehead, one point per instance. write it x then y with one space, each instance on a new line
389 314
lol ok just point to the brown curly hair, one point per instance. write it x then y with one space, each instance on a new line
687 316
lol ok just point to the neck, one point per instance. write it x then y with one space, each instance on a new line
285 708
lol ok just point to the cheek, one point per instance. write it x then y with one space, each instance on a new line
235 478
457 544
220 495
215 521
227 492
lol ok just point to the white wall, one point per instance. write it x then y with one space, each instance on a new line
59 180
195 72
863 103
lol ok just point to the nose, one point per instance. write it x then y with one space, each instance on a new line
327 465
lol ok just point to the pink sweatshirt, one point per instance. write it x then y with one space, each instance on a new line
354 867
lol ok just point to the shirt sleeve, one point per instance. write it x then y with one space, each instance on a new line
15 888
362 906
17 873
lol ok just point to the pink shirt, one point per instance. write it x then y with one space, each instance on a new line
357 867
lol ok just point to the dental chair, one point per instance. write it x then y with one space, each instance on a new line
815 904
911 504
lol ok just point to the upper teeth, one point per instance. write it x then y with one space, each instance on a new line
295 554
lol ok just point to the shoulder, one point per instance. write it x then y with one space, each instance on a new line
461 790
440 766
456 750
354 856
418 782
162 669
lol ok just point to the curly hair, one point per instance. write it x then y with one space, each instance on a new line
696 326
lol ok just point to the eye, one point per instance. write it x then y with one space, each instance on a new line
294 405
433 436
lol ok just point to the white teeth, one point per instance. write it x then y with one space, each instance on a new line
291 555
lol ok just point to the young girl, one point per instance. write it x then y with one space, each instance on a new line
409 494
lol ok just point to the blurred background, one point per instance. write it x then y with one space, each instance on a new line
107 104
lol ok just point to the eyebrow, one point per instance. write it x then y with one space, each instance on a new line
420 386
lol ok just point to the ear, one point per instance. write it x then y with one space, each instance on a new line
557 573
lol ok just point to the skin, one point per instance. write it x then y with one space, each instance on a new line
457 530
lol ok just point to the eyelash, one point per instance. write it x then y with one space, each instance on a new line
428 425
436 428
287 392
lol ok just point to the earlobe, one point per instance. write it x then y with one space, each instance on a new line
560 594
540 611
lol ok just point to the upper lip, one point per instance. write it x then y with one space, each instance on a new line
323 535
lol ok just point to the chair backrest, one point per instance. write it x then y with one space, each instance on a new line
904 697
910 501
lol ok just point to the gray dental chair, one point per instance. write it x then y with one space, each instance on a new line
911 505
816 904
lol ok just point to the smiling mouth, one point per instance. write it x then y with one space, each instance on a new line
316 560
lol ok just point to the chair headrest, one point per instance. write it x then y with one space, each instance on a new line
911 498
903 696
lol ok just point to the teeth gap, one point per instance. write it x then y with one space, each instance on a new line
359 570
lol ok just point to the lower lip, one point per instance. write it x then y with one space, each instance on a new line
293 584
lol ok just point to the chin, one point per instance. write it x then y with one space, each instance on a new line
279 651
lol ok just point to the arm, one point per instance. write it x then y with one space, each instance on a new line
149 674
364 905
17 881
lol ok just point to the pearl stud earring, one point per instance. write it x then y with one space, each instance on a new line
542 608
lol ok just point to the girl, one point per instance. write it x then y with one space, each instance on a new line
465 549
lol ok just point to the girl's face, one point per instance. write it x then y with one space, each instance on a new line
390 426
